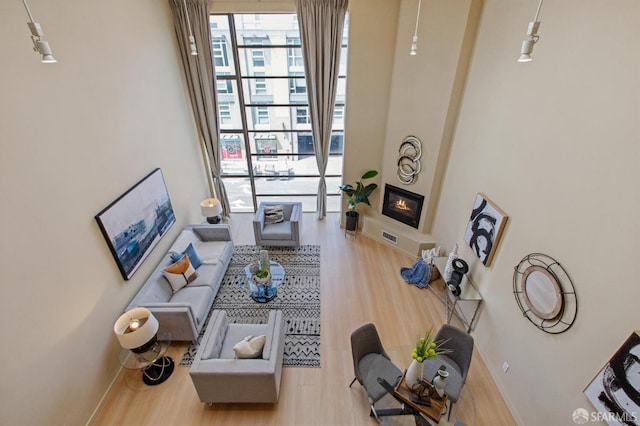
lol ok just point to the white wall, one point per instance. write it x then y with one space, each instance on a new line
73 137
425 91
555 143
372 39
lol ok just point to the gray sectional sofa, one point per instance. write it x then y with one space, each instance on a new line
184 312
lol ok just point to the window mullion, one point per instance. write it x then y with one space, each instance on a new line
264 101
243 113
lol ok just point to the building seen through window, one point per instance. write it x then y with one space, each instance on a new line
266 137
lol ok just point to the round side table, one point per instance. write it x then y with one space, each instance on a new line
156 367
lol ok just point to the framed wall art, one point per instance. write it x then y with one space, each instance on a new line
485 228
615 391
134 223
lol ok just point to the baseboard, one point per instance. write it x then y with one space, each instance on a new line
100 405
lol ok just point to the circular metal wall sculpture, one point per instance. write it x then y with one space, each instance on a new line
409 160
545 293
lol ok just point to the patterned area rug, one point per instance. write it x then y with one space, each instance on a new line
298 297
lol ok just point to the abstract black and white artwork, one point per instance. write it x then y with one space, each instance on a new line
134 223
615 391
484 229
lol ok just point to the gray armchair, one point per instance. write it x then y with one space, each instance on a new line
219 377
370 362
286 233
457 362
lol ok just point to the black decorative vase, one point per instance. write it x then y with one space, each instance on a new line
351 223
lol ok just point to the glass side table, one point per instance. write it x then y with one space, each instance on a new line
156 367
262 293
469 295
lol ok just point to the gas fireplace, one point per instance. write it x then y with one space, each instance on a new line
402 205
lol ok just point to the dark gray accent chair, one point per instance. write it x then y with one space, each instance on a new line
457 362
285 233
376 373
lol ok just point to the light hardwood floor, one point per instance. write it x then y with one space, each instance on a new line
360 283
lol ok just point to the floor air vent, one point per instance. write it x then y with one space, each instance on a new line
389 237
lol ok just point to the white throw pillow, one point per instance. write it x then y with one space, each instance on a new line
273 214
249 347
180 274
211 251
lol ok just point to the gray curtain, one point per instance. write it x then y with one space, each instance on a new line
321 24
200 75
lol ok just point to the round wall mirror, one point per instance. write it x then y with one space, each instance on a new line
545 293
542 293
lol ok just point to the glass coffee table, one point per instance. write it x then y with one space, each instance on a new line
262 293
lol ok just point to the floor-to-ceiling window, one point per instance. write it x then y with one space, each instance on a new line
267 146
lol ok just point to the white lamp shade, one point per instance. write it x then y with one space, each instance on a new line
132 339
211 207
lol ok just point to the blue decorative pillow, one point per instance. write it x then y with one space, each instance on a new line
191 252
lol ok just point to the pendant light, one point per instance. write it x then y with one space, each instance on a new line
39 45
532 38
192 40
414 43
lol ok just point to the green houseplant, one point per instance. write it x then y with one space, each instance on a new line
425 348
261 276
358 194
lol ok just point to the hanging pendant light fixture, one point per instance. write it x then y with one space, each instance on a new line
39 45
192 40
532 38
414 43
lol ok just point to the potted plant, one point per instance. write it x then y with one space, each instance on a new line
261 276
425 348
356 195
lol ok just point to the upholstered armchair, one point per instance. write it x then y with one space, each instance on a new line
219 376
457 362
278 233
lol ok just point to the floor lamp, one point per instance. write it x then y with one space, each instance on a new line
137 331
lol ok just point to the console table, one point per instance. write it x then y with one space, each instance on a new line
469 296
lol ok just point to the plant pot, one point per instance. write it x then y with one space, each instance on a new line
414 373
264 280
351 223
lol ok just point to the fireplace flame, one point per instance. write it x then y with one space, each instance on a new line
402 205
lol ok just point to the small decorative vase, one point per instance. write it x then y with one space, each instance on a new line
439 382
414 373
264 260
448 269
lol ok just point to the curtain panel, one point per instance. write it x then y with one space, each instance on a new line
200 77
321 25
